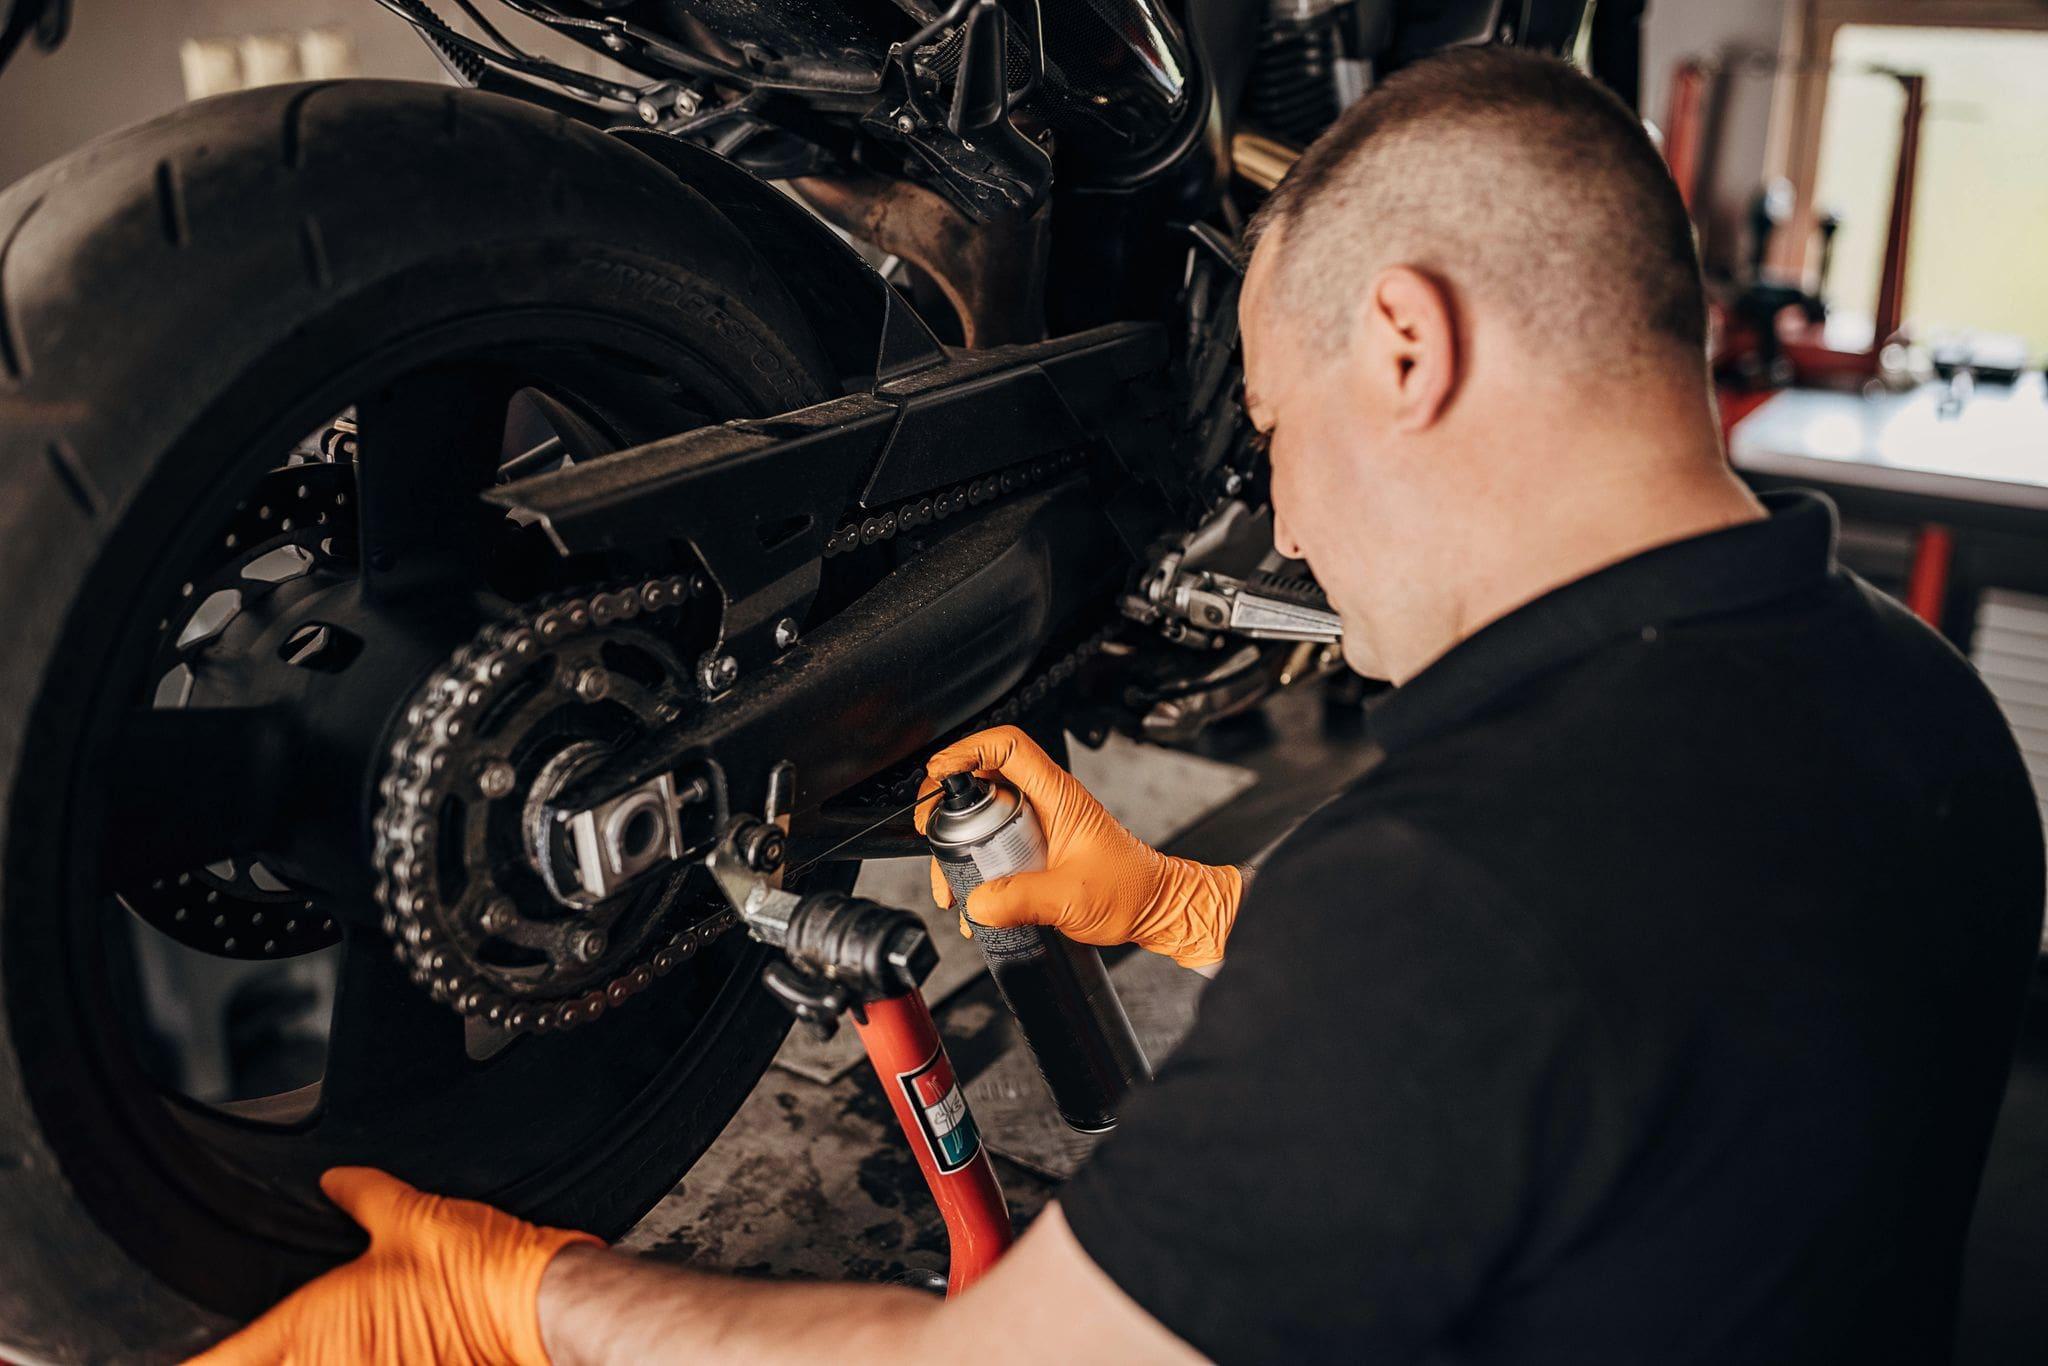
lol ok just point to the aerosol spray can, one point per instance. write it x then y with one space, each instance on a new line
1084 1044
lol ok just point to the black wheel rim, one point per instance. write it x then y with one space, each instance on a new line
399 1088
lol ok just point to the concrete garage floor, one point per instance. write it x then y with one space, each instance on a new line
813 1179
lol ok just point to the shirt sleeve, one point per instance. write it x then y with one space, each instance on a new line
1354 1141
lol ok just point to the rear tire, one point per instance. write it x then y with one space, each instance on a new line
174 300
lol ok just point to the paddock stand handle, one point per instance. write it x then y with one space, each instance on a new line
911 1063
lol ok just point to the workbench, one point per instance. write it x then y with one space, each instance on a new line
1943 494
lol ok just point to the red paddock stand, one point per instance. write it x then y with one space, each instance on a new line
903 1044
843 956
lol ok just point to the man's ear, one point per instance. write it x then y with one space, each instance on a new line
1412 341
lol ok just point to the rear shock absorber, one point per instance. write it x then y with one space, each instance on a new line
1293 89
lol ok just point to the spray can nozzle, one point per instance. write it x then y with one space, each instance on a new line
963 790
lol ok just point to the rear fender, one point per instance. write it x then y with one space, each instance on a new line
864 326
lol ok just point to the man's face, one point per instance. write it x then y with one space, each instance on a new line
1320 443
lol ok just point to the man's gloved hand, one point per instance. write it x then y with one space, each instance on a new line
1102 885
448 1281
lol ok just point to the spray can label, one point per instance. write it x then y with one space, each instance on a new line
1017 847
942 1112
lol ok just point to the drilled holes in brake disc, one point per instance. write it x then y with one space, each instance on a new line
298 523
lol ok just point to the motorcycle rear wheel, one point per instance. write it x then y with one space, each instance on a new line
178 304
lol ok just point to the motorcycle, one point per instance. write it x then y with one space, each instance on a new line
433 511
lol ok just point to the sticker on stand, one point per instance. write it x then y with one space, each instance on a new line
942 1113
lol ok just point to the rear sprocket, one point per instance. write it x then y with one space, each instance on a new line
475 878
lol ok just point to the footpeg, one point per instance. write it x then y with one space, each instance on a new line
1198 604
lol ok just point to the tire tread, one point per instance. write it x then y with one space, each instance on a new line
292 134
72 474
170 203
319 273
13 346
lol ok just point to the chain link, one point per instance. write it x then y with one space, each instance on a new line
921 512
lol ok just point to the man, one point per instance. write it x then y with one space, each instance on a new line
1650 1001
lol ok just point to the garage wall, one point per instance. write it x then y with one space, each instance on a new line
120 63
1722 31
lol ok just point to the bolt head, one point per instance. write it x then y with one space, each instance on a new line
615 41
592 684
648 110
763 848
499 915
905 123
587 946
785 633
688 101
716 673
496 779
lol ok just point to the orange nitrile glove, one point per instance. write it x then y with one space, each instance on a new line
448 1281
1102 885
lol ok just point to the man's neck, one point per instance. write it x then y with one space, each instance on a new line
1612 504
1579 539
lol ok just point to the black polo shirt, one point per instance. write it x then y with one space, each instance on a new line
1649 1003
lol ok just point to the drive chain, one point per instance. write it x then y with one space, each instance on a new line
920 512
424 765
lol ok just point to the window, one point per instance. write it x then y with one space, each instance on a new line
1981 198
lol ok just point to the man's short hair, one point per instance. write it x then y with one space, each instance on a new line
1515 181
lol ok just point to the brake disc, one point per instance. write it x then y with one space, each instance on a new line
297 520
232 917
